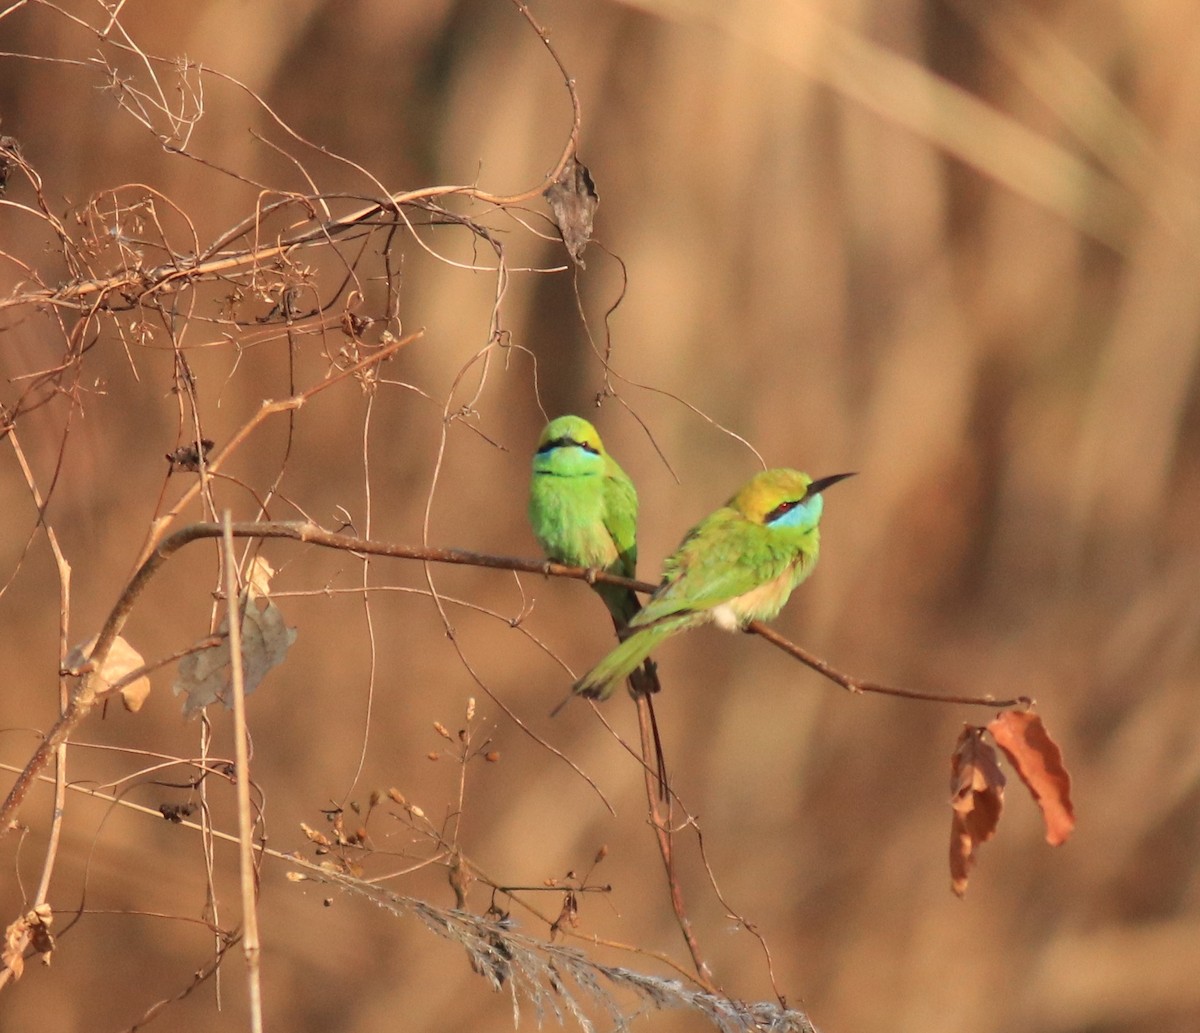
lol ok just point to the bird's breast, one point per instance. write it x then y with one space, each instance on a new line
568 514
763 602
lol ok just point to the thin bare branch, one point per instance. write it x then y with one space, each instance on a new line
251 946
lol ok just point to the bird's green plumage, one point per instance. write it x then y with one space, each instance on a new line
583 508
737 565
628 657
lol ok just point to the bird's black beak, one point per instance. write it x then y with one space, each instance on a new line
820 485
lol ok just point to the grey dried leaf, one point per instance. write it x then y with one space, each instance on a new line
573 200
206 676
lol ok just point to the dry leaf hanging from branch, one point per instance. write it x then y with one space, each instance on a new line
206 676
122 659
31 929
977 785
573 200
1038 761
977 796
258 577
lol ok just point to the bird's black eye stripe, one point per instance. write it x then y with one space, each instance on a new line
782 508
565 442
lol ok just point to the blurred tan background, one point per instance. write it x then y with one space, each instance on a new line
950 245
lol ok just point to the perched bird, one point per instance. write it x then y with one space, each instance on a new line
737 565
583 510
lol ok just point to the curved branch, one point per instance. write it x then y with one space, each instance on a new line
85 695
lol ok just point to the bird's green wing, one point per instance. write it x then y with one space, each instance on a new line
722 557
620 519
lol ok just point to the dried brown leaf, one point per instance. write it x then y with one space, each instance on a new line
573 200
977 797
1039 762
258 577
32 929
12 955
134 694
460 881
314 835
569 915
122 659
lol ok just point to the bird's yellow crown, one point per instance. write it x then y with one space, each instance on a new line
571 429
764 492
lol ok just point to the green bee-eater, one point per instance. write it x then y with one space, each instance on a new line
583 510
737 565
